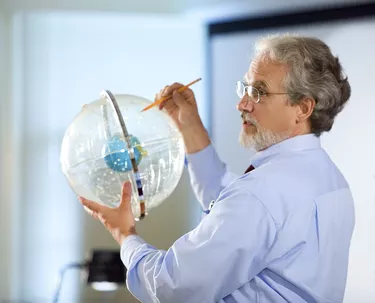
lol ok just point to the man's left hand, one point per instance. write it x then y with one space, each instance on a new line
118 221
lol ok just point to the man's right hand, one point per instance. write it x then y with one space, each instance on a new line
183 110
182 107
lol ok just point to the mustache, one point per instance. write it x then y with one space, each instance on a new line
246 117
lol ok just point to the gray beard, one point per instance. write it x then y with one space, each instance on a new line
262 139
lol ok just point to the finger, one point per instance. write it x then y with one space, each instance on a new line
165 91
91 213
167 104
103 220
187 94
161 105
172 88
159 94
179 100
91 205
126 196
168 91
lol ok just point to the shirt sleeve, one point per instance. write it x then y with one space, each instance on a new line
227 249
208 175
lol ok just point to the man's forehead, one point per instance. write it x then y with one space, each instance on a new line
255 80
246 78
263 72
255 70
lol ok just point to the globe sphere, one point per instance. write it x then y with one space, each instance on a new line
96 159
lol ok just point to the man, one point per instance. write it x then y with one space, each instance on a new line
280 232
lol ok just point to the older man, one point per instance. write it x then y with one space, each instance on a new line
281 231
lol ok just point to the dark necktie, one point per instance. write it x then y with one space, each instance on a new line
249 169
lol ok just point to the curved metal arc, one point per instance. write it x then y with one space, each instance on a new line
110 97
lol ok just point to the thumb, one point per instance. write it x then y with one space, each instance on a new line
126 196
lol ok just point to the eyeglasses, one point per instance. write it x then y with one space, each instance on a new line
253 93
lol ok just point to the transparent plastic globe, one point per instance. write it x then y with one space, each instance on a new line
96 160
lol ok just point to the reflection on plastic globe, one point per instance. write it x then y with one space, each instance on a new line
96 160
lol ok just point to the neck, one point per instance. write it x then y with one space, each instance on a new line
301 129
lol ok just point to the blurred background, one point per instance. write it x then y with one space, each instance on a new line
55 56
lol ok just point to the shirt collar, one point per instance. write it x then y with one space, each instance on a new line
297 143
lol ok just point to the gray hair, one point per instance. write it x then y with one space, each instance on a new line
313 72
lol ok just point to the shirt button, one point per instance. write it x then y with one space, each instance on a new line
211 204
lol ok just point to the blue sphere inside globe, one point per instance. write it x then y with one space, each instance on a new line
117 155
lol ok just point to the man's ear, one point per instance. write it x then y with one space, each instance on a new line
305 109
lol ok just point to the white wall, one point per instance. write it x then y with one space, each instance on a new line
145 6
349 143
68 59
10 124
5 208
351 146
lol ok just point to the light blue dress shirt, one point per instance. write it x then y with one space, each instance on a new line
280 233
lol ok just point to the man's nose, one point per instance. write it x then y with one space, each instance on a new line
245 104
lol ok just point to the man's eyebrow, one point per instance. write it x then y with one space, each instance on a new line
260 83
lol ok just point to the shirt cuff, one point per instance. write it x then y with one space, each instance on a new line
129 246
